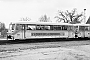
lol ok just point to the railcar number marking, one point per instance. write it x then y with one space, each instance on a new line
47 34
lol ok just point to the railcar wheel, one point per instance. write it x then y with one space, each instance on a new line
13 38
7 37
16 39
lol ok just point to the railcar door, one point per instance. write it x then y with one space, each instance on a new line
87 31
71 33
81 33
76 31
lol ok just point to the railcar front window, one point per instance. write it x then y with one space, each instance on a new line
12 26
19 27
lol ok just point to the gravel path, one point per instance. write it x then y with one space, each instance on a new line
63 50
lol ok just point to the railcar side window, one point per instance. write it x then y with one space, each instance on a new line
82 28
58 27
55 27
87 28
42 27
64 27
70 28
30 27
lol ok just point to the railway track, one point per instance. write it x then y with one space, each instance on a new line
5 42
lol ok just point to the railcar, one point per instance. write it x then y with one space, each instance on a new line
82 30
35 30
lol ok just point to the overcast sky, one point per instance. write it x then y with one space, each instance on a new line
14 10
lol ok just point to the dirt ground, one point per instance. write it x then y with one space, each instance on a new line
66 50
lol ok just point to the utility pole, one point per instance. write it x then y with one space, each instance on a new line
84 16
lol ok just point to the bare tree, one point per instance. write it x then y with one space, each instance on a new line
25 19
2 26
44 19
69 17
3 30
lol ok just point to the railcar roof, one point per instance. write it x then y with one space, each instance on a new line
42 23
81 24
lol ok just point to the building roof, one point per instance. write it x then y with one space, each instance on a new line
88 21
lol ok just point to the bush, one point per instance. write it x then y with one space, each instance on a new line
4 33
